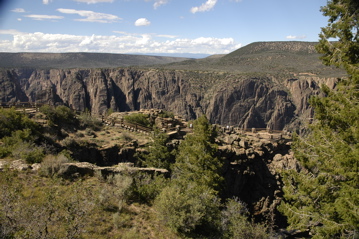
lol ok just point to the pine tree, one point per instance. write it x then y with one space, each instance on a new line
324 195
159 154
190 204
196 160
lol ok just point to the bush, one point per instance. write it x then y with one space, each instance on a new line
51 164
12 120
189 210
235 222
115 192
60 116
87 121
28 152
140 119
21 145
146 187
166 114
35 155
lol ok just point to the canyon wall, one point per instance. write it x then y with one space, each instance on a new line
236 100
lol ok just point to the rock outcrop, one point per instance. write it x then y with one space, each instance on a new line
227 100
253 162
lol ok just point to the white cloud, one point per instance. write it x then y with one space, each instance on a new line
91 16
142 22
296 37
10 32
159 3
46 1
93 1
19 19
204 7
125 43
166 36
88 41
18 10
154 35
44 17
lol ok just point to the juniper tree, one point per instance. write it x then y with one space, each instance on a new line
324 195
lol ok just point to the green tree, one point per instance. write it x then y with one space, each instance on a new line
158 155
343 27
197 160
324 195
190 204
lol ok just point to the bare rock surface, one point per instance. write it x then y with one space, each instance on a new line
253 163
234 100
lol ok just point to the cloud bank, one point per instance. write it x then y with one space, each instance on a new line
143 43
204 7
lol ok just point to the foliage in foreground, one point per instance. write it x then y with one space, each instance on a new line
324 196
50 204
33 206
190 205
19 135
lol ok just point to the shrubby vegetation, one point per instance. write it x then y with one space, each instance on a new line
87 121
12 120
18 134
138 118
166 114
191 204
183 203
61 116
323 197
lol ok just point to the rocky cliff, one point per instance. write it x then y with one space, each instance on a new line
264 84
226 99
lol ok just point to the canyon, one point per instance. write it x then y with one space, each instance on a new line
262 85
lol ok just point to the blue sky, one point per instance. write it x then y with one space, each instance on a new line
154 26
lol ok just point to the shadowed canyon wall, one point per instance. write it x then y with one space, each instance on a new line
226 99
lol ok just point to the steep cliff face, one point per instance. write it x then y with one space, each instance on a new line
228 100
250 103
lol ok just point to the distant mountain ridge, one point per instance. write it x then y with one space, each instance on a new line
80 60
290 58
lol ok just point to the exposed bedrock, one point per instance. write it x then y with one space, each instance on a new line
227 100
